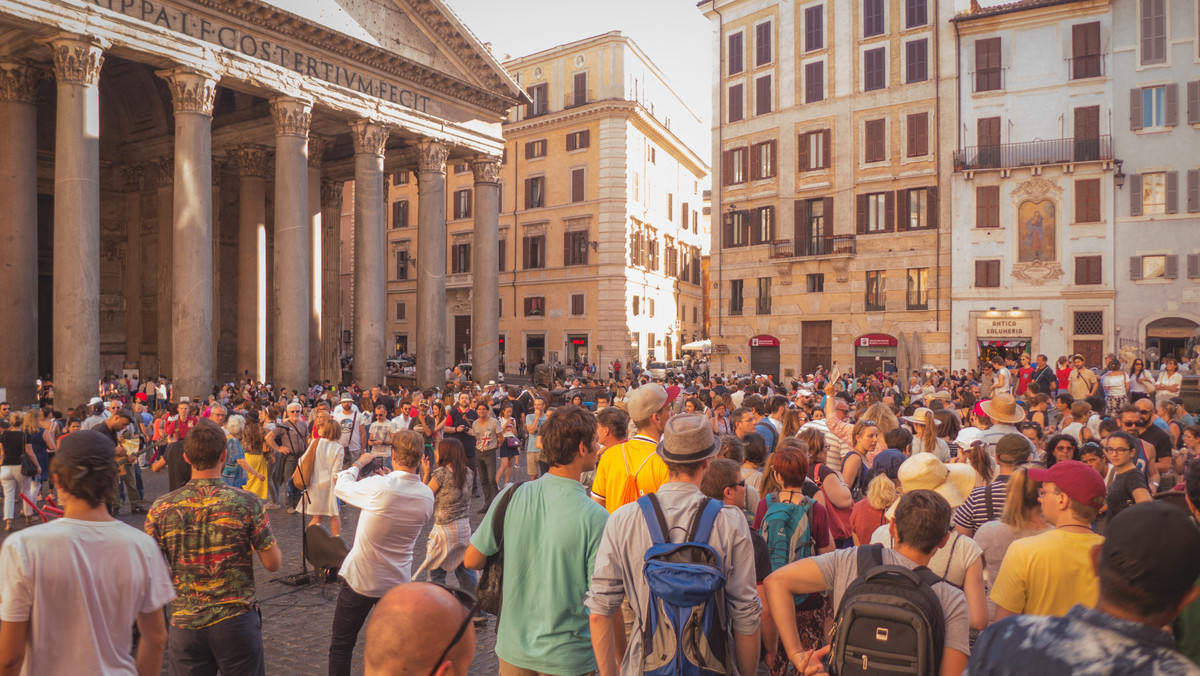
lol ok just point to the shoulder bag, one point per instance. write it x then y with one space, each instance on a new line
490 591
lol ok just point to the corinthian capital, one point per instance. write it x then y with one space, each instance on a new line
192 91
331 194
18 81
77 58
164 171
317 146
369 137
251 159
291 115
486 169
431 156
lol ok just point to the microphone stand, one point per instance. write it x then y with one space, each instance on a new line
304 576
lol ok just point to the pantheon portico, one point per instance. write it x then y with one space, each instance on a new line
173 176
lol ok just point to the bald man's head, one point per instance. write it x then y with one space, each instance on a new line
411 626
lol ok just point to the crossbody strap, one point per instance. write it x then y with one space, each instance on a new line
991 508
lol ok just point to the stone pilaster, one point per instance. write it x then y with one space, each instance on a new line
432 357
485 267
370 253
293 242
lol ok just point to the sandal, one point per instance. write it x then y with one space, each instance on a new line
8 525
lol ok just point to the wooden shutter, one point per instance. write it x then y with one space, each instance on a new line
1193 263
1172 192
762 95
802 151
1135 267
918 135
1135 195
529 150
1135 109
826 147
762 44
580 86
770 211
931 206
756 226
503 251
1172 105
570 142
861 214
736 102
745 159
902 222
541 251
578 192
981 206
525 253
585 138
827 210
755 149
981 274
774 158
799 228
889 211
1193 190
726 167
736 54
1193 102
1172 268
568 238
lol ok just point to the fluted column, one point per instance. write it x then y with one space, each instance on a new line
77 63
192 93
316 154
251 162
164 177
370 253
431 264
331 335
18 241
293 271
485 268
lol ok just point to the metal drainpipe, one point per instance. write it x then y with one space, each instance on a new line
715 207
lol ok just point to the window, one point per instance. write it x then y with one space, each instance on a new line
814 28
915 13
578 140
535 149
735 296
400 214
462 203
875 212
1087 133
1153 267
874 69
816 282
1154 31
762 44
917 129
637 305
503 252
535 192
762 95
814 82
916 58
540 100
736 54
461 168
400 178
873 300
579 94
1087 270
762 160
987 65
683 215
1085 50
402 265
813 149
735 103
1152 107
578 184
764 226
764 296
460 258
695 315
1087 201
670 207
650 309
1153 194
651 154
814 234
987 206
987 274
735 165
652 250
535 306
917 295
988 134
919 214
577 306
737 229
575 248
1089 323
872 18
875 140
533 252
401 312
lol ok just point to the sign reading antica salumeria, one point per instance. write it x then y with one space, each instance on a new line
258 47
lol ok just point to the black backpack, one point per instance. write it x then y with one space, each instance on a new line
889 623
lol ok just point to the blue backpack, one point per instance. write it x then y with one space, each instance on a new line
787 528
684 631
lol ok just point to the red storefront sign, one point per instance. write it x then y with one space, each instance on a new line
764 341
875 340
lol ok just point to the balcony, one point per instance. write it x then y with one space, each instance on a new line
836 245
1088 65
1034 153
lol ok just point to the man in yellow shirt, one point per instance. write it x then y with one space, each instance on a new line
649 408
1047 574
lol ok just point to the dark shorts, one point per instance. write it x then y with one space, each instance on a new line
507 451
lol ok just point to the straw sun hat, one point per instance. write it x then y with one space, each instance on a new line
924 471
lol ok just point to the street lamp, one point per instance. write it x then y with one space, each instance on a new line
1119 176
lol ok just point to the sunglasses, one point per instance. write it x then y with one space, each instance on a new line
740 484
469 602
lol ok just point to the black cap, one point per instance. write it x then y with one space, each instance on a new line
1155 547
125 413
87 449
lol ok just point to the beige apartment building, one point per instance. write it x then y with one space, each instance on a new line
834 245
600 230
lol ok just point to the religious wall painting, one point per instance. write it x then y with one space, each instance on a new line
1037 231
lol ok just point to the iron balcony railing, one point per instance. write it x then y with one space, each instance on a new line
834 245
1087 65
1034 153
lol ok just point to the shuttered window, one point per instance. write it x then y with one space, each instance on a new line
1086 60
535 149
1088 270
987 65
875 69
762 44
460 258
917 130
736 54
875 213
578 184
987 274
402 265
813 150
763 101
539 100
873 18
535 192
1087 201
814 82
762 160
1153 31
575 248
400 214
874 300
578 140
533 252
916 13
577 306
916 60
462 203
987 206
735 102
814 28
875 140
535 306
735 165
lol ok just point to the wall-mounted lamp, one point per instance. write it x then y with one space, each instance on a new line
1119 176
595 246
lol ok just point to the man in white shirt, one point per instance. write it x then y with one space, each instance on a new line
395 507
354 427
1004 381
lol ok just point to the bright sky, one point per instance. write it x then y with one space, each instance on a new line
673 33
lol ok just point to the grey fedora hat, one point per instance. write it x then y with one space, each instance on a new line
688 437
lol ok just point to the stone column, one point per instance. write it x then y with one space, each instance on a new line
19 243
133 179
331 273
316 154
216 263
431 264
192 93
251 161
370 253
77 63
293 270
485 267
164 176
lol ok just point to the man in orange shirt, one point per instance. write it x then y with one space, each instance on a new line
649 408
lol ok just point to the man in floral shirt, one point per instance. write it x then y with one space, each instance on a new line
207 531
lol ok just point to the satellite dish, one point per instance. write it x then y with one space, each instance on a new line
1152 354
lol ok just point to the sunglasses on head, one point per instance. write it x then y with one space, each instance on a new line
471 604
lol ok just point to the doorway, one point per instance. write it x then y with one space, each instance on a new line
462 339
816 346
535 349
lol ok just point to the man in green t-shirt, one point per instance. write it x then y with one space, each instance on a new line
1186 627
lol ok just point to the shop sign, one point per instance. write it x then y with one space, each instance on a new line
875 352
989 328
764 341
721 349
875 340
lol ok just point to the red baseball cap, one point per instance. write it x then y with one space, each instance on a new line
1079 481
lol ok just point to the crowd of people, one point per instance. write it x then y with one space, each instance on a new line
1014 519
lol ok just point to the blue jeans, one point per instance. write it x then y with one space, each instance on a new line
232 646
466 577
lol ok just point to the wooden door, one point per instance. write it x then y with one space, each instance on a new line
462 338
1092 352
1087 133
816 346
